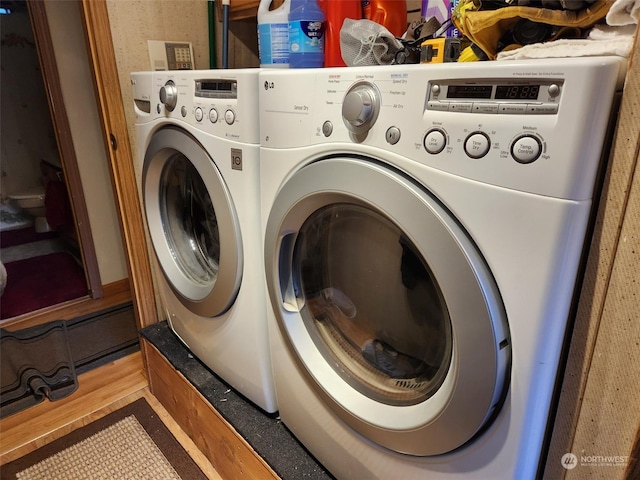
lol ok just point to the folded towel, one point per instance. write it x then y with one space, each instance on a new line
58 209
602 40
624 12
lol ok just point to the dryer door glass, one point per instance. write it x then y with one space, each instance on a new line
372 304
193 224
189 219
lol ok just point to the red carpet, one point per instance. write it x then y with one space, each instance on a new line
39 282
10 238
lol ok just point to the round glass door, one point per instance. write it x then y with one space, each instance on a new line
192 223
372 305
387 305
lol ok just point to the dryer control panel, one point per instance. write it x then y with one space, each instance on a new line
538 126
502 96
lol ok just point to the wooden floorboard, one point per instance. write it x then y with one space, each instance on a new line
100 392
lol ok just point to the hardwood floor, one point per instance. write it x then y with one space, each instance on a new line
100 392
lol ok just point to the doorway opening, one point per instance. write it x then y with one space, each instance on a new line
46 246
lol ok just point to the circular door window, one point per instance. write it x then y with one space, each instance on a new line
372 305
192 222
387 305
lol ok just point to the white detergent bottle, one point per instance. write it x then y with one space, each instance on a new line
273 34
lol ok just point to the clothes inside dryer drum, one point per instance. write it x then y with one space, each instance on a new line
388 338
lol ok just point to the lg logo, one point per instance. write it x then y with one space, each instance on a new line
268 85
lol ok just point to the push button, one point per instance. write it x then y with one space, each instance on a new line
213 115
526 149
435 141
229 116
477 145
512 108
327 128
392 135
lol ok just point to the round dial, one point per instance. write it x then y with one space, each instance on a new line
169 95
360 107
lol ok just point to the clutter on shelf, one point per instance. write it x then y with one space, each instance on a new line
334 33
493 28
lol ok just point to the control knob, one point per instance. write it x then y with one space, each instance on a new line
360 107
169 95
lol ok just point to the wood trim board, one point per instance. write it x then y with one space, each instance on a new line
227 451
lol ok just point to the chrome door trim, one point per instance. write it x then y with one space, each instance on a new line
202 299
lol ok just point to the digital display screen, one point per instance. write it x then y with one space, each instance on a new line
215 86
517 92
469 91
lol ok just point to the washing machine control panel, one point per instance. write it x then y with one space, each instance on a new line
221 103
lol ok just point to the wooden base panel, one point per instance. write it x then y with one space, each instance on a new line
230 454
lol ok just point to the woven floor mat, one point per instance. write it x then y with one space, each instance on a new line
131 442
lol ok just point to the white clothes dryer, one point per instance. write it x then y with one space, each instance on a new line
424 227
198 145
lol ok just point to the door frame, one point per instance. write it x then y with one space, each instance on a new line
103 66
64 140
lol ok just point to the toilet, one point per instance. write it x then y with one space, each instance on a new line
31 202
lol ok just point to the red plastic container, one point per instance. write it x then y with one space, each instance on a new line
335 12
392 14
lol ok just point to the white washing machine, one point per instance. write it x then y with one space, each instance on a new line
424 226
198 145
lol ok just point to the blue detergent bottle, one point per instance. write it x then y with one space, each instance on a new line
306 34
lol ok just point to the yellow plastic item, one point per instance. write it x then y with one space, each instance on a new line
440 50
468 55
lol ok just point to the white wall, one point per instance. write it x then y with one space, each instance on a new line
77 90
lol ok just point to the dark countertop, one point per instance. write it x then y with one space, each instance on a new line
264 432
